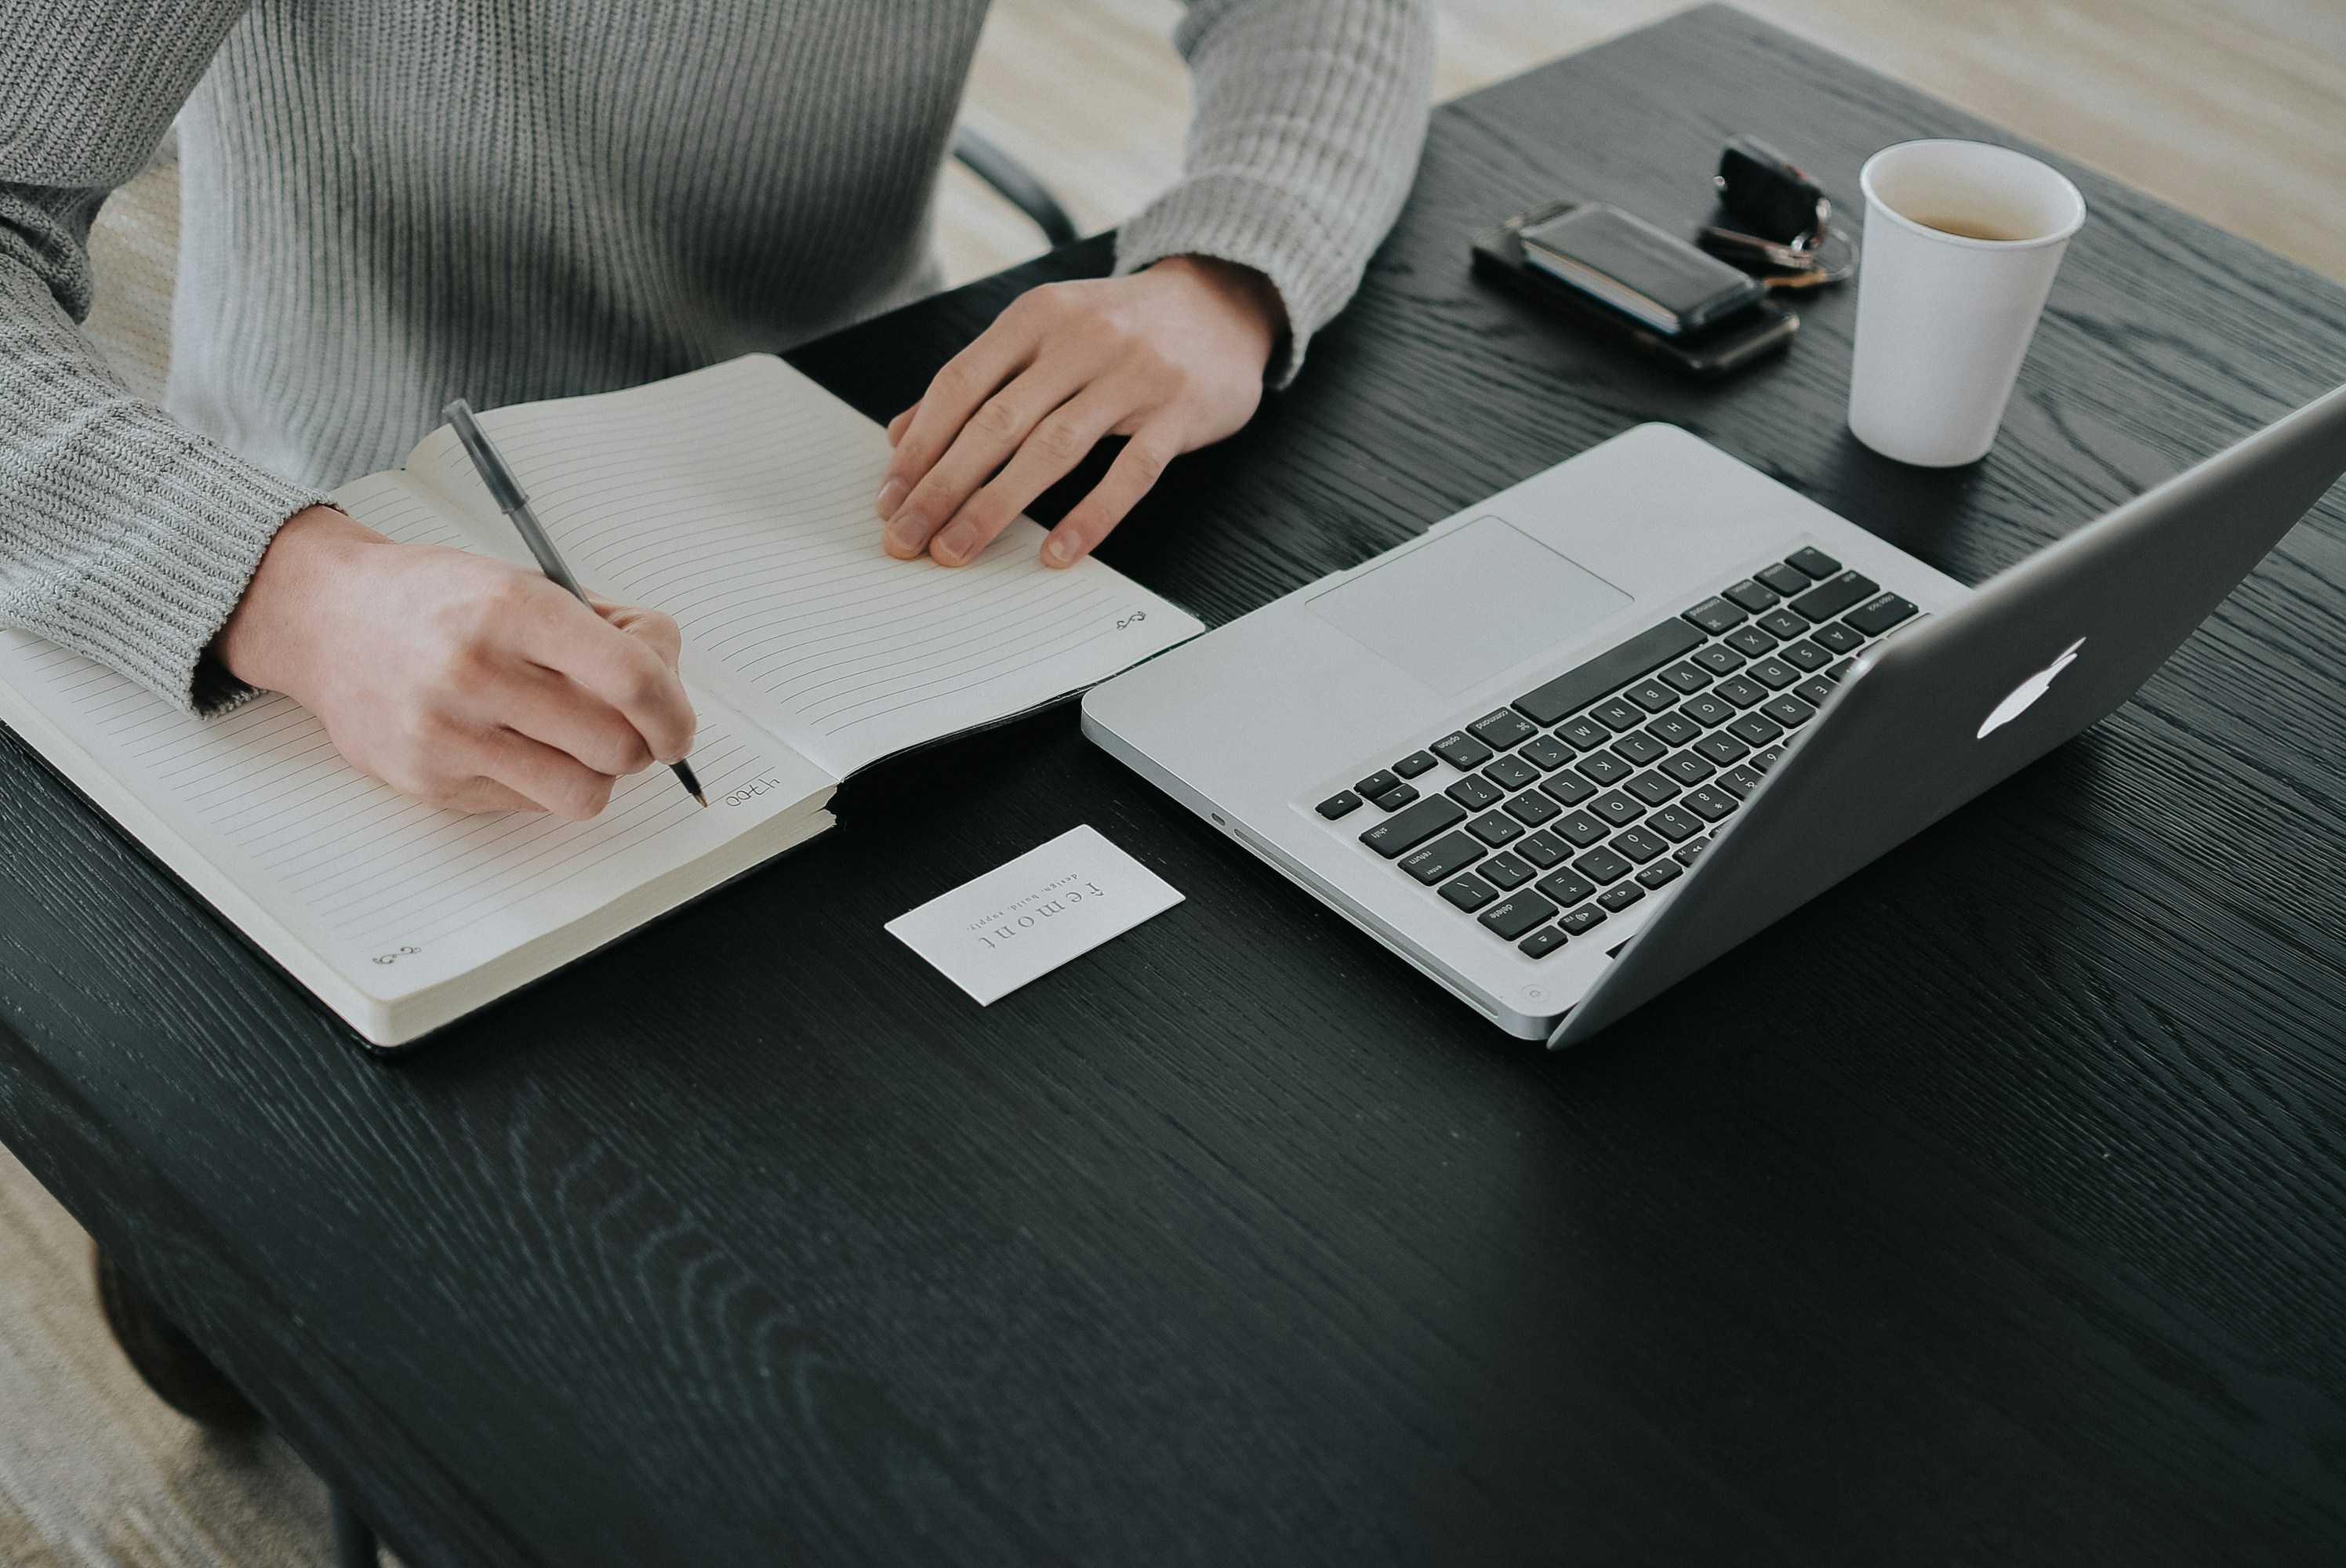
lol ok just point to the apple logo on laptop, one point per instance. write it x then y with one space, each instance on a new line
2024 696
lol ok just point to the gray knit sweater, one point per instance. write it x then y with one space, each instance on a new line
390 203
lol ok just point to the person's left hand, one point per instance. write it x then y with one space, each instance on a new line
1171 356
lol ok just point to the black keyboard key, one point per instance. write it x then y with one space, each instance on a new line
1511 773
1674 729
1685 676
1753 596
1584 733
1620 897
1790 711
1742 693
1710 805
1687 853
1602 866
1639 845
1474 792
1814 691
1618 716
1567 888
1469 893
1615 807
1774 674
1531 808
1580 830
1582 920
1567 788
1652 696
1719 659
1542 849
1416 763
1812 561
1542 943
1716 616
1547 750
1512 916
1605 767
1707 709
1404 831
1783 623
1751 641
1755 728
1674 824
1838 638
1690 767
1639 748
1376 784
1611 670
1880 614
1494 830
1840 672
1660 872
1784 579
1723 748
1505 872
1445 857
1804 655
1462 750
1500 729
1339 804
1826 600
1739 781
1652 787
1764 760
1394 799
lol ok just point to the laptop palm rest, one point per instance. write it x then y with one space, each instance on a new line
1468 604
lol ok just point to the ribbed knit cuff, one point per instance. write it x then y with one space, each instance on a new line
1253 223
182 524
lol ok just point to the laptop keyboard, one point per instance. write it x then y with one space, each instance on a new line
1587 792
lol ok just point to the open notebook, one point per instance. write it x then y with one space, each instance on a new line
738 499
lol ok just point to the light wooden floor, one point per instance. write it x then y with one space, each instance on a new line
2232 110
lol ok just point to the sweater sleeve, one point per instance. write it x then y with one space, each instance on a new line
123 536
1309 118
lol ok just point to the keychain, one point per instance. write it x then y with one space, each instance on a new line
1787 239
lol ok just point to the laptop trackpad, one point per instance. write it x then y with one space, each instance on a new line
1462 608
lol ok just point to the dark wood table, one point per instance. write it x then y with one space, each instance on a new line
1992 1209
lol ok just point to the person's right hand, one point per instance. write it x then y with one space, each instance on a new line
460 679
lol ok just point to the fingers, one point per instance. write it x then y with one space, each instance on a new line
626 671
1056 444
1127 479
896 428
550 707
542 775
968 380
1000 429
656 630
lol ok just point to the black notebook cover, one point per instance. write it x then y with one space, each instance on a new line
1633 266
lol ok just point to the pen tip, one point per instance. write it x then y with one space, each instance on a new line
699 797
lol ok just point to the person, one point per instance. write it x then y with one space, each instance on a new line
388 206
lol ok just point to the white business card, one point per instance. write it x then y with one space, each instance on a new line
993 935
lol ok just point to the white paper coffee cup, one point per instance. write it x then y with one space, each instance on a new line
1961 240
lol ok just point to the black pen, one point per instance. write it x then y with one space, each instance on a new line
506 492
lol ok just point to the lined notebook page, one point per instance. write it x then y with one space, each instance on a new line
739 500
394 894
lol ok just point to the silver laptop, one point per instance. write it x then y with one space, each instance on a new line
1581 738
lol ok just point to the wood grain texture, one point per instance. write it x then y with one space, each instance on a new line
1992 1207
